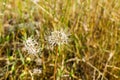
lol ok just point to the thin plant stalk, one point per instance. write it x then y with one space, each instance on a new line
55 66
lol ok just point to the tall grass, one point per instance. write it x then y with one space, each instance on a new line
92 51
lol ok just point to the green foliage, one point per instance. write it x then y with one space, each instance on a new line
92 51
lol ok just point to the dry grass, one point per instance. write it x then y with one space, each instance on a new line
93 49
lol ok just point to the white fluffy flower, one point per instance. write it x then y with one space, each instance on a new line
31 46
57 38
37 71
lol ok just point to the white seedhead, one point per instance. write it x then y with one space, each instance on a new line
31 46
57 38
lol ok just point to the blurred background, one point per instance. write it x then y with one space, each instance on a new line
93 49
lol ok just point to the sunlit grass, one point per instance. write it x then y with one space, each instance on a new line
93 46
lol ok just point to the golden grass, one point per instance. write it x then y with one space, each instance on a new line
92 52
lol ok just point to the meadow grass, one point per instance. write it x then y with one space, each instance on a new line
92 51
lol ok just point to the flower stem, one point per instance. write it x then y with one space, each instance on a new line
55 65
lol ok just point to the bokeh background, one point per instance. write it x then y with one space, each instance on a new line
93 49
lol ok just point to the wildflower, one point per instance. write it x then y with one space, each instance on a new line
31 46
37 71
58 38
